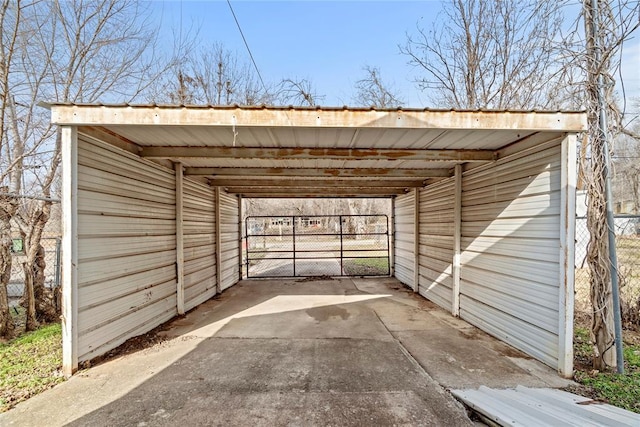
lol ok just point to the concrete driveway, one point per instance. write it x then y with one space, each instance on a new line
287 352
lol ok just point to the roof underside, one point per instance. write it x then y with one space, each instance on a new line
314 152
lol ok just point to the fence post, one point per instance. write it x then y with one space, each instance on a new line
293 219
58 254
341 248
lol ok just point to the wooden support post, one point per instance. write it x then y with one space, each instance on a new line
457 229
218 244
69 250
568 180
416 240
179 238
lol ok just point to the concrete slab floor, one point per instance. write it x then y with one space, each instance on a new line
287 352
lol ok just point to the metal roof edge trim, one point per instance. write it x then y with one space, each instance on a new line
308 117
49 105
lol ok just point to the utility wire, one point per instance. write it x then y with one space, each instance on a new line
247 46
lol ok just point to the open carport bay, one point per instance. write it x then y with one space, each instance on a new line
294 352
482 219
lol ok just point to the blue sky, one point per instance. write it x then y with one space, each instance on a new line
327 42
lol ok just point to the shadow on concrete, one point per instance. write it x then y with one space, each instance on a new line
293 352
292 358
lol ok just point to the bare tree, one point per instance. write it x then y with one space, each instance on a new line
10 16
212 75
490 54
372 91
626 168
69 51
298 92
215 75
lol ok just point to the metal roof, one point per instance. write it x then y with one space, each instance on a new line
290 107
345 149
539 407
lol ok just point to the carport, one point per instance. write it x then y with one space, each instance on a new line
483 216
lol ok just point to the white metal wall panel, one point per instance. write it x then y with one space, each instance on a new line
404 238
436 242
199 222
510 242
126 246
229 240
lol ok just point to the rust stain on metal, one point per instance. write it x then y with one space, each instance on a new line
362 153
377 172
399 154
292 152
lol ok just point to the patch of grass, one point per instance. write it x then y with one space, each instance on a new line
619 390
366 266
256 257
30 364
582 346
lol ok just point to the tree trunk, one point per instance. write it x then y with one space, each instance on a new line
45 299
40 302
6 323
598 261
28 299
602 325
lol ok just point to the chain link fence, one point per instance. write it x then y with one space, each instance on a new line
627 230
16 287
304 246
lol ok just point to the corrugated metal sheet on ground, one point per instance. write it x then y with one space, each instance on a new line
538 407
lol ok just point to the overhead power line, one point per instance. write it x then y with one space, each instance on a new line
247 46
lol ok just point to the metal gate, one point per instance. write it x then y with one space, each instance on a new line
306 246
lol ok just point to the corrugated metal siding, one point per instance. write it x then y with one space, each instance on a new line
510 242
436 242
229 240
199 222
404 238
536 407
126 246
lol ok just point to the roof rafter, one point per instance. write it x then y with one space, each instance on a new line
317 183
317 153
303 172
319 191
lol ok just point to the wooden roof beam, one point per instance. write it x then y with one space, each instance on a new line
316 196
308 173
313 183
317 153
283 192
